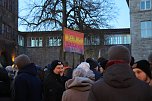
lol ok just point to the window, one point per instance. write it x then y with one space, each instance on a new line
146 29
92 40
3 30
34 42
1 2
20 40
54 41
117 39
145 4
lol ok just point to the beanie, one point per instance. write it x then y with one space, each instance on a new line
22 60
54 64
119 52
144 66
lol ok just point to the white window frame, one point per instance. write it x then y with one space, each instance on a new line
34 42
145 5
53 41
146 29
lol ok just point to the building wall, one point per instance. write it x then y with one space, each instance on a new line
45 55
140 47
8 30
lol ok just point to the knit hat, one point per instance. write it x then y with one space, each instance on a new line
54 64
119 52
22 60
93 64
84 65
144 66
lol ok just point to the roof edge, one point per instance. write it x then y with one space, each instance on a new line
127 2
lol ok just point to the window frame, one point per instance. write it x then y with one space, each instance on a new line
116 39
145 5
146 29
33 42
53 41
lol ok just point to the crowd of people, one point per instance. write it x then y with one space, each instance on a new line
117 78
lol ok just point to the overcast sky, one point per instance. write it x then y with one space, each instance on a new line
123 19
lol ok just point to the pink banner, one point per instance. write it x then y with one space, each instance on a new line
73 41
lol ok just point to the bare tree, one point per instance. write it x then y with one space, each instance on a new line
75 14
49 15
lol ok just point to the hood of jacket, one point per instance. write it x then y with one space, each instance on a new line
119 76
30 69
79 83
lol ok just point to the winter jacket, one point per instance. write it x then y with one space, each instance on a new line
53 87
27 85
119 84
77 89
4 83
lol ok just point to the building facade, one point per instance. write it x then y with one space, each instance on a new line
8 30
140 28
44 47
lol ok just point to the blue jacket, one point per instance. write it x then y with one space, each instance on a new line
28 86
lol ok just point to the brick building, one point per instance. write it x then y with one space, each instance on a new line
43 47
140 28
8 30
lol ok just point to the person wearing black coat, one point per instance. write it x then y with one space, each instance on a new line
53 85
27 85
4 85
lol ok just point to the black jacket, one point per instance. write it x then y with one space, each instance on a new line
4 83
120 84
27 85
53 87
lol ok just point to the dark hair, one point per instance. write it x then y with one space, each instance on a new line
132 61
93 64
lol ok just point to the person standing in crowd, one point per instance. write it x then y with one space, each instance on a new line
27 85
94 67
4 85
40 72
53 85
142 71
119 82
77 88
67 70
102 63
